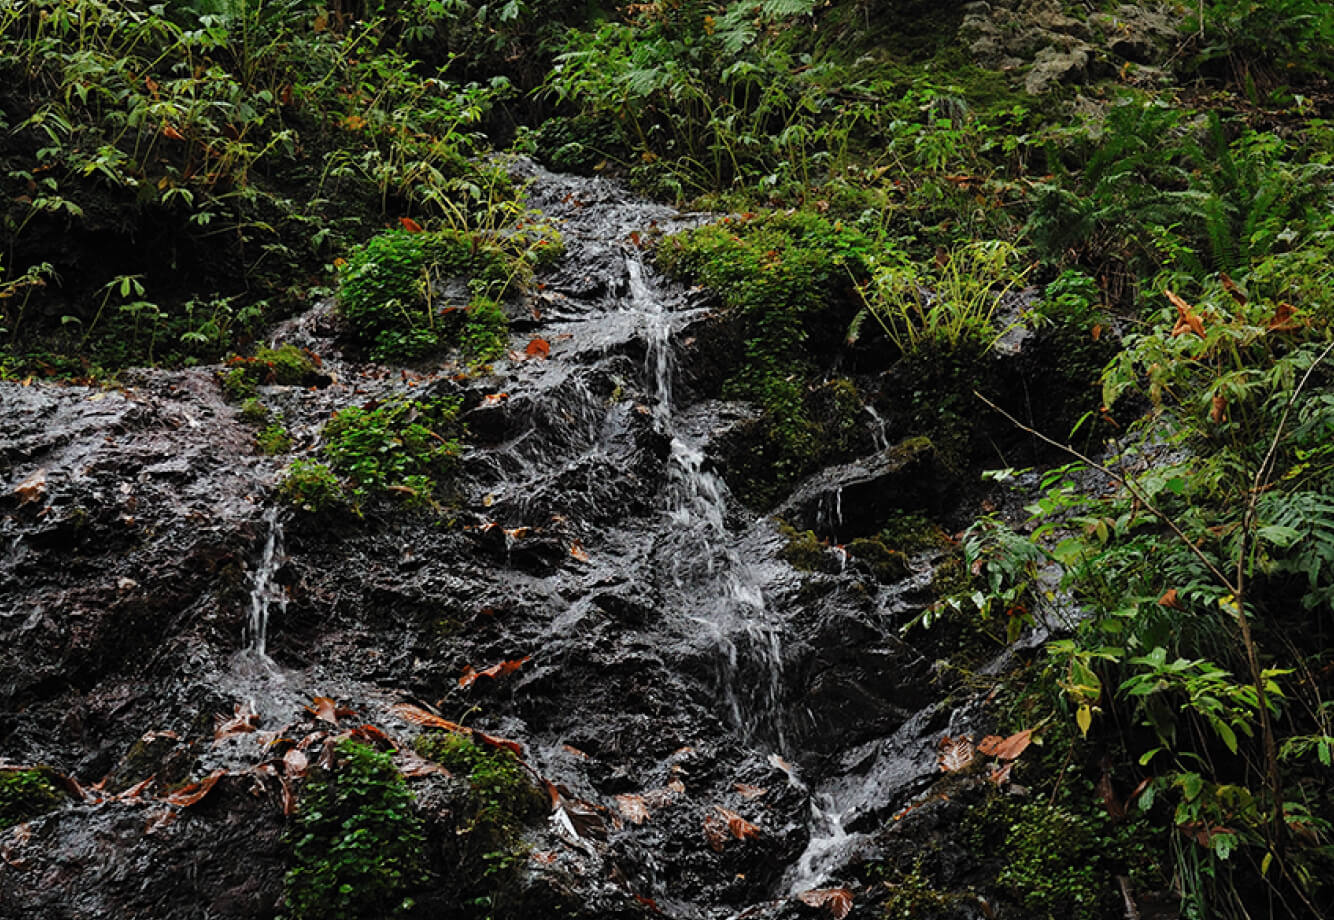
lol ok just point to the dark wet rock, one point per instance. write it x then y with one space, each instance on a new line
148 859
854 499
655 647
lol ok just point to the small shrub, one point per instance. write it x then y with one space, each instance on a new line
357 847
25 794
389 290
254 411
274 439
501 801
286 365
947 308
399 445
311 486
485 330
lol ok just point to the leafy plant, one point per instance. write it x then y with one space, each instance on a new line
943 309
25 794
357 842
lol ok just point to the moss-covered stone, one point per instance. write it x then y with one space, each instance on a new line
26 794
887 565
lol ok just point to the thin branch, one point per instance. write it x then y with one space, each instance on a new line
1125 484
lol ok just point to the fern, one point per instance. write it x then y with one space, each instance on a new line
1310 516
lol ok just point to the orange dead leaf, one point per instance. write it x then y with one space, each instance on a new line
838 901
418 716
504 743
577 551
1187 319
195 792
1096 331
496 670
410 225
31 489
750 792
1217 408
136 791
1001 775
1231 287
1282 321
538 348
1170 599
737 826
955 754
171 132
244 720
372 733
633 808
715 833
324 709
410 764
569 749
1007 748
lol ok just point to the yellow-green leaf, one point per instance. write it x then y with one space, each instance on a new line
1085 719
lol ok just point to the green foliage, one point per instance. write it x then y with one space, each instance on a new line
273 439
357 843
502 799
249 135
401 293
485 330
1262 42
1054 861
25 794
286 365
1071 299
947 308
399 445
311 486
786 277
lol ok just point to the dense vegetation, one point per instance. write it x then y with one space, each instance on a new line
179 176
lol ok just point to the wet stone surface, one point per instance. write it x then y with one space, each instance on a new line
719 729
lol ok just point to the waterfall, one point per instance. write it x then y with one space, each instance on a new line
264 593
723 593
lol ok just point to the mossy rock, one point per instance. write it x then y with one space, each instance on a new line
886 564
27 794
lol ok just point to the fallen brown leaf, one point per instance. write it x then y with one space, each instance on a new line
31 489
747 791
955 754
295 762
633 808
193 793
737 826
418 716
838 901
1006 748
470 675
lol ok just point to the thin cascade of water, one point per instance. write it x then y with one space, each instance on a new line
726 597
265 594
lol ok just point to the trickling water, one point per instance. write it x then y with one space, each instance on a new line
879 428
265 594
724 594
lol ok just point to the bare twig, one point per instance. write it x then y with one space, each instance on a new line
1125 484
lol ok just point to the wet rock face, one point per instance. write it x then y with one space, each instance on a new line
594 595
